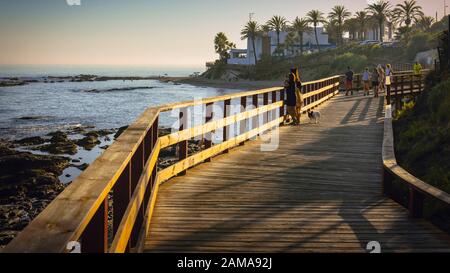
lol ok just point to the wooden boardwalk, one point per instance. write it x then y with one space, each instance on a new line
320 191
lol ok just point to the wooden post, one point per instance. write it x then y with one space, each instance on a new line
226 129
416 199
95 236
137 166
155 139
183 145
282 107
243 123
208 136
265 102
274 99
121 198
255 105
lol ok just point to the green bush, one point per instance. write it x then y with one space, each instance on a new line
422 137
355 61
420 41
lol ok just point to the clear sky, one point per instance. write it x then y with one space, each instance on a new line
140 32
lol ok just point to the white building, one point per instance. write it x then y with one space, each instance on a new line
267 45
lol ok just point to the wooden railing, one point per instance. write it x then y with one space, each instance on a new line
108 208
418 189
406 84
401 81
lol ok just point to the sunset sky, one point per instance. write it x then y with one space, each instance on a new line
140 32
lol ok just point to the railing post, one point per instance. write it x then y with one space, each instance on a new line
255 105
183 145
121 198
137 166
226 129
274 99
95 236
282 107
243 123
208 136
265 102
155 139
416 199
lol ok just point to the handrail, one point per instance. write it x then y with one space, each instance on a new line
125 176
417 187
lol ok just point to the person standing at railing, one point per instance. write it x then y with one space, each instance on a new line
388 76
365 79
298 95
417 68
291 99
349 81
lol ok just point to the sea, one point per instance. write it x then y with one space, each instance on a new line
39 108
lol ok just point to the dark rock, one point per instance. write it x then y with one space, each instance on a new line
30 141
89 141
68 147
28 183
82 166
104 147
59 144
76 160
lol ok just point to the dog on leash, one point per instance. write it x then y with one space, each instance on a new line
314 116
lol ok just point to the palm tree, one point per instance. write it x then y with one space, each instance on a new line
222 46
407 12
278 24
251 31
300 26
338 14
425 23
362 20
315 17
352 26
380 11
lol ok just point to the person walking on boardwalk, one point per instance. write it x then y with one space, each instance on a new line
375 81
349 81
381 79
291 98
366 79
388 81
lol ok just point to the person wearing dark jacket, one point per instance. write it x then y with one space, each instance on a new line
292 84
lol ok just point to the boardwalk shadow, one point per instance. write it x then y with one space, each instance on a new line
320 191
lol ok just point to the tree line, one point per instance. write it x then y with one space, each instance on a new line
403 17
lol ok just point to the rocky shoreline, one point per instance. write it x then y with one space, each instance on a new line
30 180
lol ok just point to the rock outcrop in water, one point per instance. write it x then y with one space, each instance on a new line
28 183
59 144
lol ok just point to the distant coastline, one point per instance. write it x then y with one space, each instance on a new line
195 81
